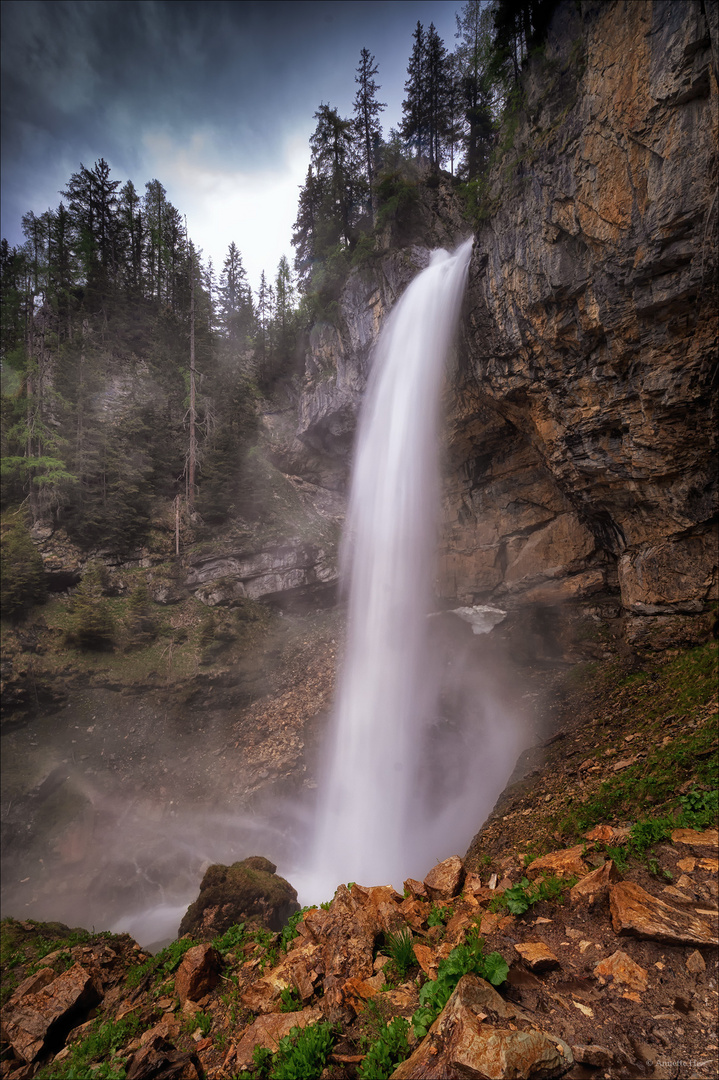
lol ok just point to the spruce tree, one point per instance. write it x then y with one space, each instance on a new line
367 110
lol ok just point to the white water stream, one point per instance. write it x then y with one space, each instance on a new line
375 821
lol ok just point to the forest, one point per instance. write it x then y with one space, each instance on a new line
134 371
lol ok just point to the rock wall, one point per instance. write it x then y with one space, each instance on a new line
581 437
582 421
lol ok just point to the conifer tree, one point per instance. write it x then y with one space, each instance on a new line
414 107
367 110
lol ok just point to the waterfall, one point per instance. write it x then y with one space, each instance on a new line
371 826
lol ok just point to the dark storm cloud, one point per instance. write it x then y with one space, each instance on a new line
83 79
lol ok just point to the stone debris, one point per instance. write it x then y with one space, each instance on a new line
638 913
538 956
622 969
479 1034
565 863
595 886
267 1031
445 880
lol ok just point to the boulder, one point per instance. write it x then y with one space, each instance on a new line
268 1030
595 886
445 880
48 1014
639 914
198 973
538 956
479 1034
159 1059
233 894
567 863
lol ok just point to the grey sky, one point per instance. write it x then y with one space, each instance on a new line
214 99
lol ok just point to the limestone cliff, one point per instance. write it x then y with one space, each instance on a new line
581 439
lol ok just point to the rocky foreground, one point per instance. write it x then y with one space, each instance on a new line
604 974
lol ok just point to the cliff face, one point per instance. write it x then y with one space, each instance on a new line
581 436
583 420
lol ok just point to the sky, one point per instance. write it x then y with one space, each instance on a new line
215 99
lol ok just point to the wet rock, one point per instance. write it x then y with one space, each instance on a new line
478 1034
445 880
198 973
639 914
48 1014
267 1031
159 1059
622 969
563 863
702 843
595 886
31 985
538 956
233 894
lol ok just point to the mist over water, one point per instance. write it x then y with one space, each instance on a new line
402 780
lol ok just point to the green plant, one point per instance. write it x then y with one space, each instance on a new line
162 965
85 1059
290 931
232 939
519 898
290 1000
301 1054
439 916
399 947
262 1060
386 1052
22 582
469 958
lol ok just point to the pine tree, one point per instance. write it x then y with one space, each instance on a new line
304 235
479 90
437 79
236 311
414 107
367 110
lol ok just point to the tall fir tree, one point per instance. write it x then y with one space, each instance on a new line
367 109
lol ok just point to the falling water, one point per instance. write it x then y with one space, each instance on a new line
369 819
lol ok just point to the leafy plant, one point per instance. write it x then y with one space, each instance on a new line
232 939
162 965
290 1000
105 1040
290 931
386 1052
466 959
302 1054
519 898
400 948
439 916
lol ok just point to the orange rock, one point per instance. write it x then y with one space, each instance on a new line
198 973
464 1042
595 886
566 862
356 991
622 969
425 959
25 1025
415 888
414 912
267 1031
444 881
709 838
538 955
637 912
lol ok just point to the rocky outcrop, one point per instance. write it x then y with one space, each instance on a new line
232 894
580 460
582 437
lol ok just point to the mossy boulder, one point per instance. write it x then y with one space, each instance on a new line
247 890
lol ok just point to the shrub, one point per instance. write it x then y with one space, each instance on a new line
465 959
92 626
386 1052
400 948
